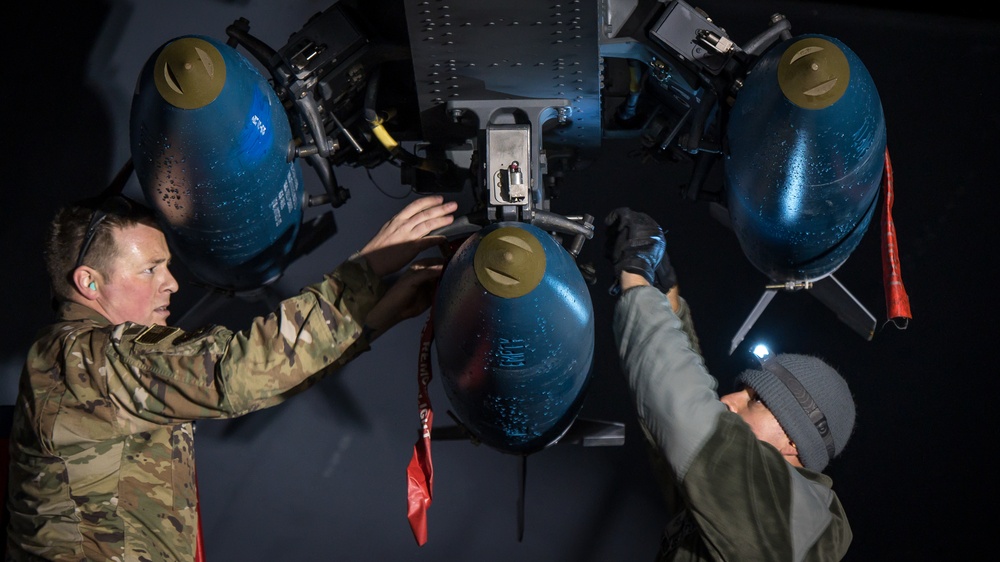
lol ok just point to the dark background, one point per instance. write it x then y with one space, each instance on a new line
322 477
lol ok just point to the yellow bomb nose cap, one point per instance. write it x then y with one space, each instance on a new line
509 262
189 73
813 73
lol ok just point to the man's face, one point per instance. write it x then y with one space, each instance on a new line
746 404
138 284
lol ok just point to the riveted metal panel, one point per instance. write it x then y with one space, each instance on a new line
477 50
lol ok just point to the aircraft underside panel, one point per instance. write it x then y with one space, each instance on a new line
469 50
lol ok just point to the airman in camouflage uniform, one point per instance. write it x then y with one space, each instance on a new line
102 457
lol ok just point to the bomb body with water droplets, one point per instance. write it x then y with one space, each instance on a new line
210 145
514 335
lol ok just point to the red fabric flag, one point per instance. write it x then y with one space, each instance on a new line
897 301
199 552
420 471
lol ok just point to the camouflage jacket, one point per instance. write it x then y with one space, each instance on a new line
102 460
731 496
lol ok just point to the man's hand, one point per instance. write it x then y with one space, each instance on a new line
408 297
405 235
635 243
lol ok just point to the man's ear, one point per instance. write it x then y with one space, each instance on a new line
87 282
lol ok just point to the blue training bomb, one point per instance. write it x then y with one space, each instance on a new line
211 145
514 334
805 155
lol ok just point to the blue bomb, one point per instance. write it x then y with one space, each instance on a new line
514 335
804 158
211 146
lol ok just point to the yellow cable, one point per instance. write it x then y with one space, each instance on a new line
382 135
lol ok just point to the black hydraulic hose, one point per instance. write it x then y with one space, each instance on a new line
780 26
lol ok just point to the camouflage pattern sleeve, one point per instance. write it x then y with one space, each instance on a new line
161 374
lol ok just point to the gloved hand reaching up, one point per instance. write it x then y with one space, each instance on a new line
665 276
636 244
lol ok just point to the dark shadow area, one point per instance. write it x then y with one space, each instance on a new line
322 476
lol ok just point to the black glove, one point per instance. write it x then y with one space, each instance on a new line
635 244
665 276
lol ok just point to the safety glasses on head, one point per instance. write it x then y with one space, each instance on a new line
117 205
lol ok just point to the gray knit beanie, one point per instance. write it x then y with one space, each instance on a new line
831 395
